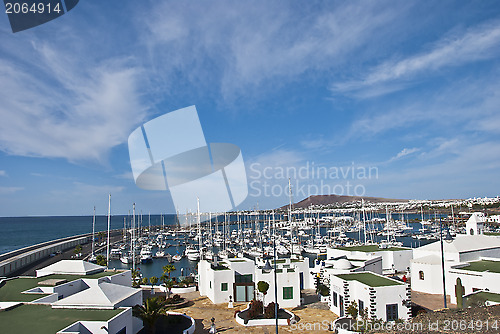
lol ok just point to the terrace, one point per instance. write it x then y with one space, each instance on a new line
371 248
43 319
11 290
482 266
369 279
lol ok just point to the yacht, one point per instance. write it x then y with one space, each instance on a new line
146 255
192 254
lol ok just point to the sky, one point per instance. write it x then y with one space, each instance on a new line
395 99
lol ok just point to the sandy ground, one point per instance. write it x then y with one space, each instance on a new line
313 317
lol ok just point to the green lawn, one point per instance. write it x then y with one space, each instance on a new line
42 319
483 265
371 248
494 297
11 290
369 279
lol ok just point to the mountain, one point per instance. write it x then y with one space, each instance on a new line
340 199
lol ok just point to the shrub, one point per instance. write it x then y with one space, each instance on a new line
352 310
323 290
174 299
256 308
269 310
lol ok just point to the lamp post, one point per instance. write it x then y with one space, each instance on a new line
448 239
275 275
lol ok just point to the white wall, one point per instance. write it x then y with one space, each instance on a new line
284 279
401 259
470 280
70 288
120 278
135 299
394 294
433 278
210 282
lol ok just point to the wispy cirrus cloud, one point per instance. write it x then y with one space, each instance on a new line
475 44
272 43
10 190
82 119
403 153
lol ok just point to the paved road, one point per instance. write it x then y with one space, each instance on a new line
66 255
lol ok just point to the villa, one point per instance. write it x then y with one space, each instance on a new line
71 296
237 279
426 266
394 259
383 298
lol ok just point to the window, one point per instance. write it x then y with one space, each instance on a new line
288 292
421 275
334 294
361 307
391 311
243 278
223 287
210 284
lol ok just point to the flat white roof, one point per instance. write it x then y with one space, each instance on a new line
464 244
70 267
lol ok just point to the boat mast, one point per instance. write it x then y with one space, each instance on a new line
290 216
198 222
109 221
93 232
133 237
364 219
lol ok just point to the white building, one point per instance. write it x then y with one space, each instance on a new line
481 275
81 289
426 265
393 258
382 297
494 219
238 277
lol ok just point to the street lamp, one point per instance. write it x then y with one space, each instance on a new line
448 239
275 280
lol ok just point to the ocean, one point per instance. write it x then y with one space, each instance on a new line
19 232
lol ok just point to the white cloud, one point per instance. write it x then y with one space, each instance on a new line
479 43
10 190
3 173
403 153
468 105
257 44
78 111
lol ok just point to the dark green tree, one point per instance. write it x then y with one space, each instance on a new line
150 311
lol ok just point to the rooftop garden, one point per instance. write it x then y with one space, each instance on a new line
43 319
371 248
11 290
483 265
369 279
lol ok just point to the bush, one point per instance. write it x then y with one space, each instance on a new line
256 308
269 310
323 290
174 299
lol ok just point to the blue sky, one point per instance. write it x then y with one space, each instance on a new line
408 90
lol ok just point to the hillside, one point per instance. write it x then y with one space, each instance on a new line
340 199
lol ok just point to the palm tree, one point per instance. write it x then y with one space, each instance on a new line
144 281
150 311
169 285
135 274
153 280
169 268
101 260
